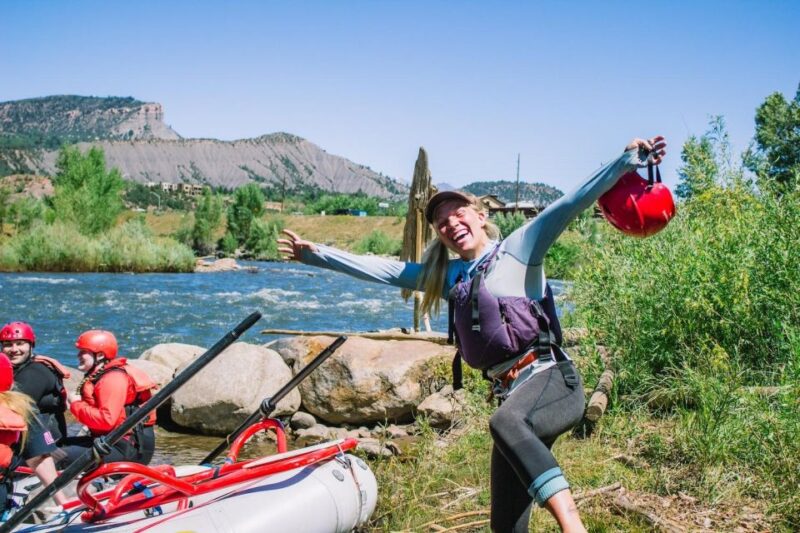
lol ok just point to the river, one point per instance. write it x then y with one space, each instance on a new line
147 309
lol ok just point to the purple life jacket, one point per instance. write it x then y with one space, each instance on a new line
489 330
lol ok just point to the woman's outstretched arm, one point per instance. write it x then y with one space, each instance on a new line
365 267
519 270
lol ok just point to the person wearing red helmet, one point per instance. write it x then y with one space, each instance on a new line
41 379
505 324
110 390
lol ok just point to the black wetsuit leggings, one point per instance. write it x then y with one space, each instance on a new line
524 428
123 450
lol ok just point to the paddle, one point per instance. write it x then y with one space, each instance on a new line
102 445
268 404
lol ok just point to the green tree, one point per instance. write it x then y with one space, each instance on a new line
5 206
228 244
86 193
263 238
207 218
248 205
707 161
508 222
775 159
26 212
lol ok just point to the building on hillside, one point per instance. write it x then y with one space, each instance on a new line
491 201
495 205
273 206
191 189
169 187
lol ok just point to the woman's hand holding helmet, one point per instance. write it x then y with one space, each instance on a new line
654 147
293 247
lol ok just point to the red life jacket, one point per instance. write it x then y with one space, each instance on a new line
142 385
11 427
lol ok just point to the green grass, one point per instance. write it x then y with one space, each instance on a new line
60 247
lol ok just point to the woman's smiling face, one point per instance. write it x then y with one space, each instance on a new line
461 228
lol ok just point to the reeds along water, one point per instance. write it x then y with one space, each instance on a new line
60 247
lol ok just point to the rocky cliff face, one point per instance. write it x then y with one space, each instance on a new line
136 140
273 160
83 118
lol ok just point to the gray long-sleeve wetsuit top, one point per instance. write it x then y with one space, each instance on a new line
518 269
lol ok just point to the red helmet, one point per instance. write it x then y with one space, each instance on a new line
637 206
6 373
98 341
18 331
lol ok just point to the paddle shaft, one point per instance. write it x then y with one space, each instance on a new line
269 404
91 457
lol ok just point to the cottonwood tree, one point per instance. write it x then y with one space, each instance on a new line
207 218
775 156
86 193
248 205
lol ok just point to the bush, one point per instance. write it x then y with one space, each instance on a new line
228 244
508 222
379 243
720 283
85 192
697 317
61 247
263 239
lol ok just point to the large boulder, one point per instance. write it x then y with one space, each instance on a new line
366 380
159 373
219 397
172 354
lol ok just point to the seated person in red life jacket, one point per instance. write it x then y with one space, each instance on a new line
41 379
16 409
111 390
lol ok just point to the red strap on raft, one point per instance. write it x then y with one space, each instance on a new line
167 488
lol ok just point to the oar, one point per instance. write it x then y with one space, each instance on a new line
268 404
102 445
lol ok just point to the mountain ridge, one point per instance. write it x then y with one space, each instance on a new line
136 140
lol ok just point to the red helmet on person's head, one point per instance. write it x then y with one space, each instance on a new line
636 206
6 373
18 331
98 341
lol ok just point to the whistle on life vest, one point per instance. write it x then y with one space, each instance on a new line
636 206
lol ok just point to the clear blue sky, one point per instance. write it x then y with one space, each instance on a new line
565 85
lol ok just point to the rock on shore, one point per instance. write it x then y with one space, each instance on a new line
365 380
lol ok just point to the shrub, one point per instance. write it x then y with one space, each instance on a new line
263 238
379 243
61 247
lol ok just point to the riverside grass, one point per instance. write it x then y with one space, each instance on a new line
60 247
700 318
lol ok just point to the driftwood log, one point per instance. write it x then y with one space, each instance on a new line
572 336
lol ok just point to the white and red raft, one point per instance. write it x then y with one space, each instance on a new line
320 488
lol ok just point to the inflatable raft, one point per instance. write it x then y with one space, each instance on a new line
320 488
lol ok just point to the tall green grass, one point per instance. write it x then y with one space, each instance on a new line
60 247
378 243
701 318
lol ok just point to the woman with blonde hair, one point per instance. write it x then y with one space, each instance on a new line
505 324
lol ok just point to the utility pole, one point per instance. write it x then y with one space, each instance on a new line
516 205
